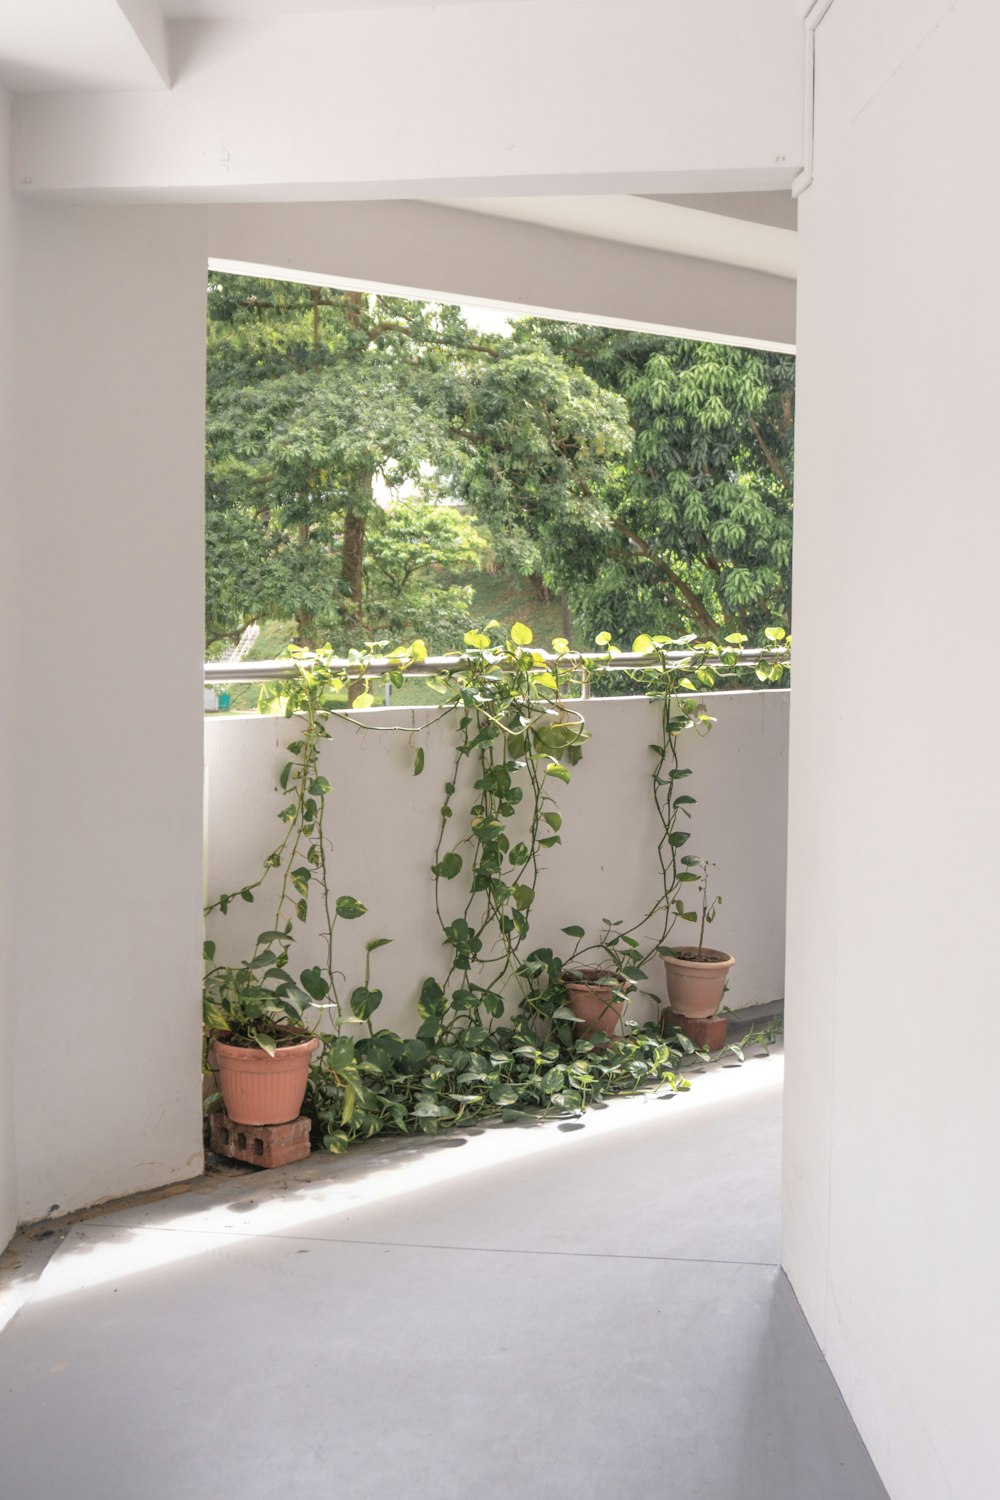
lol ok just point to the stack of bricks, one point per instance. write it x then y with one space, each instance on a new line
261 1145
708 1034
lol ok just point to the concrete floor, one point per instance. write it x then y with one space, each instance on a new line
553 1313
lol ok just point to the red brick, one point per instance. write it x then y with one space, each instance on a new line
262 1145
709 1034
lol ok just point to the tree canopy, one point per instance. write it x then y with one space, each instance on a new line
364 450
692 528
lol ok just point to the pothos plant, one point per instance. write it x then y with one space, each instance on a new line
260 1000
495 1034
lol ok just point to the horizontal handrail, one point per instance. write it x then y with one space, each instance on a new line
218 672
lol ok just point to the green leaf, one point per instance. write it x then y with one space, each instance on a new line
574 932
521 635
476 639
448 867
376 943
208 951
418 764
314 984
364 1001
338 1053
319 786
554 820
349 908
433 1001
560 772
642 645
523 897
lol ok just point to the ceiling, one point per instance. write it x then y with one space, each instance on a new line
229 10
753 230
63 46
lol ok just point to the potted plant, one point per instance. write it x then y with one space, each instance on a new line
597 997
697 976
257 1042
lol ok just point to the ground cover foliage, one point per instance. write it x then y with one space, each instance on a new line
495 1034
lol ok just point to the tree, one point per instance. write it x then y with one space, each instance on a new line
543 444
692 527
313 395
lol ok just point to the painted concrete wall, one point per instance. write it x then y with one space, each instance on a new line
8 633
892 1227
384 824
108 418
442 101
434 251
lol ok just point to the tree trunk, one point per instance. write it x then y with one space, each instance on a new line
305 629
352 564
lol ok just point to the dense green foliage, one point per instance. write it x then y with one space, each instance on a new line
694 529
495 1033
645 481
316 396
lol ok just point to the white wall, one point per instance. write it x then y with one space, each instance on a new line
442 100
892 1223
384 823
8 633
108 419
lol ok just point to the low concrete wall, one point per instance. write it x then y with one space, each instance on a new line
383 822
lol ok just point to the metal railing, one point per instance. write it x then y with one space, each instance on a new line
585 662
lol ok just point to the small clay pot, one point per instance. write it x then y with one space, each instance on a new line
696 980
258 1089
596 1006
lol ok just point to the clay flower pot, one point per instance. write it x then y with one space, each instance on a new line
258 1089
596 1006
696 979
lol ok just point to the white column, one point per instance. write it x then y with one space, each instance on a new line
8 633
109 414
892 1217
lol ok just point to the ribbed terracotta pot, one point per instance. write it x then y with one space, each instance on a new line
261 1090
695 986
595 1006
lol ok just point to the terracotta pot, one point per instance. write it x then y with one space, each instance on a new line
695 986
596 1007
261 1090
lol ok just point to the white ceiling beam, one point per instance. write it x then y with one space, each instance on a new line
653 225
81 45
423 250
146 20
443 101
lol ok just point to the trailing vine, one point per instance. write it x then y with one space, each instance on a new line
495 1033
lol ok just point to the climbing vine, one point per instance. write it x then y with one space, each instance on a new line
495 1035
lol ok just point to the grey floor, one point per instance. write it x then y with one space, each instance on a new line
587 1313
